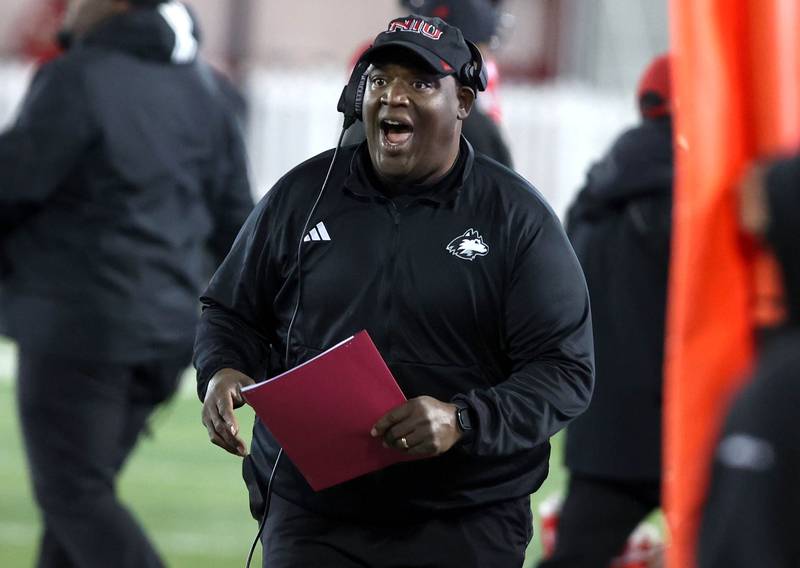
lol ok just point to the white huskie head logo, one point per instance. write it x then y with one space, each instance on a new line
468 246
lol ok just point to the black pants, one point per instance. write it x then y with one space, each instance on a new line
597 518
490 537
80 420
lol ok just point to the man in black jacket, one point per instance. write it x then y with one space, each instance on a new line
750 517
467 284
620 228
123 169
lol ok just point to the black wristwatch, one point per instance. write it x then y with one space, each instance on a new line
463 419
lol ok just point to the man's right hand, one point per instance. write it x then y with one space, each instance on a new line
224 393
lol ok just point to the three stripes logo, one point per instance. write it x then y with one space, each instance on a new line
318 233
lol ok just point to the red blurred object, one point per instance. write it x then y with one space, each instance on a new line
550 512
654 92
644 548
359 51
38 28
489 100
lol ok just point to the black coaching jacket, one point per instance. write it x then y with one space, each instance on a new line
124 170
469 289
620 226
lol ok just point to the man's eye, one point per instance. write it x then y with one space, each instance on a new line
378 81
421 85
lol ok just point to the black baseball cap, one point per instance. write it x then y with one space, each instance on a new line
441 46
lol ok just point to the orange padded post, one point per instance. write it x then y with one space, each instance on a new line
736 77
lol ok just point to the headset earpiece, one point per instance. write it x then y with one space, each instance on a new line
351 100
473 74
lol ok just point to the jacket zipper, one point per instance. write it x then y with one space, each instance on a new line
391 276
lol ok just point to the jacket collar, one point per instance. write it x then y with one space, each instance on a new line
362 181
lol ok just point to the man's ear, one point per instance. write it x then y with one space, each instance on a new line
466 98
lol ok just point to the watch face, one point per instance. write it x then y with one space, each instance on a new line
462 416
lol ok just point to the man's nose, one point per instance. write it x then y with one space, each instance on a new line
396 93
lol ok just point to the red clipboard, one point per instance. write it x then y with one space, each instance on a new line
321 412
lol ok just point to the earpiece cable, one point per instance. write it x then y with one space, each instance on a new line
268 497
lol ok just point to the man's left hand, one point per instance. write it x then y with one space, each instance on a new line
421 426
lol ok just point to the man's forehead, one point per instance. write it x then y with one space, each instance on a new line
415 69
402 58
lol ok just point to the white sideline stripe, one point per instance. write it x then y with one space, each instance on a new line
8 361
16 533
8 375
179 542
323 231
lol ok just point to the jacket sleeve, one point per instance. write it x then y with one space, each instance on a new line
229 198
50 135
237 321
548 337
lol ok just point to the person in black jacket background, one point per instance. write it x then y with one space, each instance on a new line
750 516
619 226
123 179
466 283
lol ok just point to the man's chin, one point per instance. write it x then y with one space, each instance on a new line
394 169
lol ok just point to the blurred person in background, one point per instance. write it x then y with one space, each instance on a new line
123 174
620 226
37 30
42 38
477 20
751 514
467 284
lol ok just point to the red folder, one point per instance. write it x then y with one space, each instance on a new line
321 412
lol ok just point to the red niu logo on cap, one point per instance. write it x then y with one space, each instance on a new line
416 26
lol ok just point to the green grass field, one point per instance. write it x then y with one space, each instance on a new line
186 492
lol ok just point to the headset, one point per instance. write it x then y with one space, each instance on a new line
473 74
351 102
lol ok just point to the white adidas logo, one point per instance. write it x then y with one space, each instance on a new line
318 233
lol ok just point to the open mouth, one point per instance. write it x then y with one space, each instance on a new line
396 132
